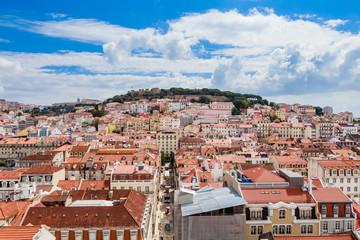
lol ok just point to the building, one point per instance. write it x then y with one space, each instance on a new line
209 214
140 177
90 214
328 111
44 174
335 173
290 162
168 142
9 184
282 211
336 211
324 127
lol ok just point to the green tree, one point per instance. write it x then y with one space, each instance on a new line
204 99
235 111
319 111
162 159
172 158
96 123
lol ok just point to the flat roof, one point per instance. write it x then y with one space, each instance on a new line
209 199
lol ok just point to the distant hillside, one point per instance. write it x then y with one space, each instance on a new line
205 95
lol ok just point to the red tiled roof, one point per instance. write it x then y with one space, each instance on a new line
127 214
19 232
68 184
345 236
268 195
42 169
15 174
260 174
329 195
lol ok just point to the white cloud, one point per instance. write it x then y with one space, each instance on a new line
259 52
58 15
335 22
4 40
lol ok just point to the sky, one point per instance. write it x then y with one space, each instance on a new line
297 51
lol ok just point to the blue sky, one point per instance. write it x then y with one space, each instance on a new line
287 51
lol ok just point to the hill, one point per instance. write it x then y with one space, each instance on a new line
204 95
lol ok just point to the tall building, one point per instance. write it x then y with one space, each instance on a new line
168 142
328 111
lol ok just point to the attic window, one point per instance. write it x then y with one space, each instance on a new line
123 158
264 192
76 215
54 215
64 215
96 214
86 215
275 192
108 215
40 216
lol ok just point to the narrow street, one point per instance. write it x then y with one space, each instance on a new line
164 210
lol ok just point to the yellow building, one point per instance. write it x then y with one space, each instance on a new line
282 211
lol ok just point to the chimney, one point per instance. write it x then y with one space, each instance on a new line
310 186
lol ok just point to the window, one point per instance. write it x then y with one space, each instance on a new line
275 229
349 180
348 172
347 210
348 189
323 210
336 210
282 229
253 230
327 180
288 229
355 180
341 172
355 189
341 188
310 228
341 180
303 228
337 225
282 214
334 172
260 230
349 225
334 180
355 172
325 226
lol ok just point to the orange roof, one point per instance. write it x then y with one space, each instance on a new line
19 232
346 236
336 164
260 174
15 174
68 184
274 195
94 184
329 195
290 159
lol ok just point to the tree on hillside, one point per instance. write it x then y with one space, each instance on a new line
235 111
319 111
204 99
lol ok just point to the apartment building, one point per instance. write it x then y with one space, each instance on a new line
168 142
335 210
340 174
282 211
324 127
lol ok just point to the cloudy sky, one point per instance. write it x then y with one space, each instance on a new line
287 51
